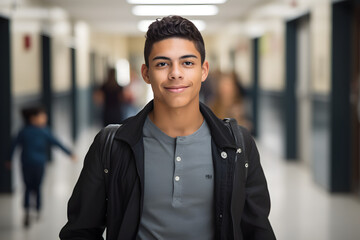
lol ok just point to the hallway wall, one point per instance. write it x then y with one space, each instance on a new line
25 62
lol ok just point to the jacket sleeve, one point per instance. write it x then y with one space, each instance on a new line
87 205
255 224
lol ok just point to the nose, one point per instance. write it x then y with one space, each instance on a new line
175 72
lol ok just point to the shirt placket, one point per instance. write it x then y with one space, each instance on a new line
178 172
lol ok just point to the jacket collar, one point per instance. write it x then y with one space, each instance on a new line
132 128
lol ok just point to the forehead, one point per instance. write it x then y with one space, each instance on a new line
173 48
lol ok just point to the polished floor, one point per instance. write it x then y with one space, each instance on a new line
300 209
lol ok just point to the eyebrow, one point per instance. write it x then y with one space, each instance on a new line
167 58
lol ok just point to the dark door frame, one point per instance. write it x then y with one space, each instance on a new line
46 78
255 87
74 95
47 92
290 102
5 104
341 71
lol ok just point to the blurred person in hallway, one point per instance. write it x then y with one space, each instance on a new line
207 87
229 99
133 95
111 96
174 171
34 139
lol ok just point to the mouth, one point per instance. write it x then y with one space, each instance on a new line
176 89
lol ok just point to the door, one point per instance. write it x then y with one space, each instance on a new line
5 104
303 90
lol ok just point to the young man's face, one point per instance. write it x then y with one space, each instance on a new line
175 72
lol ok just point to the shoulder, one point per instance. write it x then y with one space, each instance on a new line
107 133
249 141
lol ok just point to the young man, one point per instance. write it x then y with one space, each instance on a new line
173 173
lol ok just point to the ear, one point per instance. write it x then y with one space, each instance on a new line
145 73
205 70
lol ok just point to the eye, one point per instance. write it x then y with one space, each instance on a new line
188 63
161 64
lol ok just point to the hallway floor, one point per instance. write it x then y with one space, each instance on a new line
300 209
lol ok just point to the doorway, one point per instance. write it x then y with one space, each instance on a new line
297 98
303 89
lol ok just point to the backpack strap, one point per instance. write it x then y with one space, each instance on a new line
239 140
107 139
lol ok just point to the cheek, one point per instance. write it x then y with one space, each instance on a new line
155 82
200 77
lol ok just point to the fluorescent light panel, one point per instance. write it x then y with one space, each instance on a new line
176 1
183 10
123 72
144 24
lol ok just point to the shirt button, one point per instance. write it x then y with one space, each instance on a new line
178 159
223 155
177 178
238 150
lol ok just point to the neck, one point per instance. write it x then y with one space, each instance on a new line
176 122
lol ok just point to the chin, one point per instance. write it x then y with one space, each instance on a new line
179 103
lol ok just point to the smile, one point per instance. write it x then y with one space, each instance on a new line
176 89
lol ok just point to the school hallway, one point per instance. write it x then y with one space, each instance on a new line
296 69
300 209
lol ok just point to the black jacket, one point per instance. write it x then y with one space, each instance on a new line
242 204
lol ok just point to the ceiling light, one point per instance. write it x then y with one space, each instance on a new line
182 10
122 72
176 1
144 24
255 30
280 10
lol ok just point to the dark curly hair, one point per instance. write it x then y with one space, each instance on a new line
31 111
173 26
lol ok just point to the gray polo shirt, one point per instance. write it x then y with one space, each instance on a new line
179 185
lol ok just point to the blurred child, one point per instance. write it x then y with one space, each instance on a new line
34 138
229 100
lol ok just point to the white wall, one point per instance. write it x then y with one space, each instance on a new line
321 42
111 45
82 45
271 59
26 63
26 69
61 65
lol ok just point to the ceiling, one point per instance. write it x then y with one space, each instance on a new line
115 15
